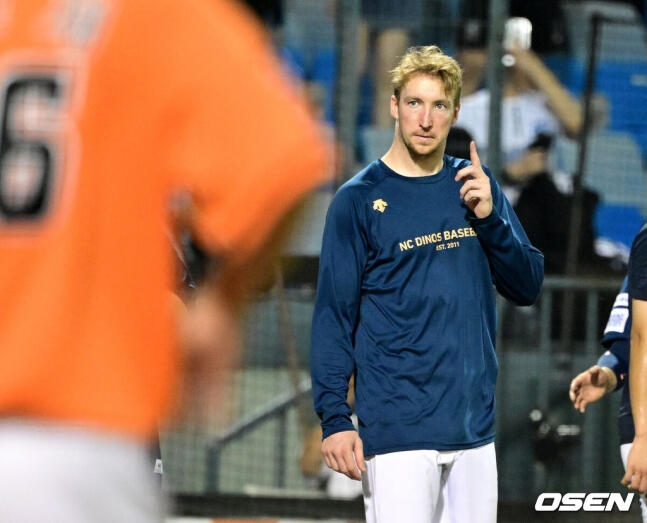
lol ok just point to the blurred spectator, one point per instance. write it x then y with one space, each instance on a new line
390 26
472 53
549 32
544 208
536 108
534 103
307 42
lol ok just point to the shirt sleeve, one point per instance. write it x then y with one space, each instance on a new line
616 337
638 267
618 325
545 120
336 312
517 266
616 358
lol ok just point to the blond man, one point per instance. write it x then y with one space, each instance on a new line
412 246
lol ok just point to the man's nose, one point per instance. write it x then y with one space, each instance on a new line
425 121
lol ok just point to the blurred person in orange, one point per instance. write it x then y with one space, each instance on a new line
109 107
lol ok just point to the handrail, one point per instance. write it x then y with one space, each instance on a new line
602 283
279 406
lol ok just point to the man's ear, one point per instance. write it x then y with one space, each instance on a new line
456 111
394 107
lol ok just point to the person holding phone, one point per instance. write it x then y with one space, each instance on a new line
535 106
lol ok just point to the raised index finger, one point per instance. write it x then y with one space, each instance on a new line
474 156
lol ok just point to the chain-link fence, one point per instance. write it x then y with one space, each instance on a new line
254 451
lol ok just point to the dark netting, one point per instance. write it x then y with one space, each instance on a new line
250 459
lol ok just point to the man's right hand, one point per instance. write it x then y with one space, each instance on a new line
344 452
591 385
635 477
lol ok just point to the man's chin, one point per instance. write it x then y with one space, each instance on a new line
422 151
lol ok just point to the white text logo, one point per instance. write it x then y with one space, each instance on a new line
574 501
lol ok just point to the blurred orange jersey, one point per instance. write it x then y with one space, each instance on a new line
107 108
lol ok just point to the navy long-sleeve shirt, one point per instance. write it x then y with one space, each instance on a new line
405 300
617 333
616 341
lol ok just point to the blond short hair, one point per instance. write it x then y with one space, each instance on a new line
431 60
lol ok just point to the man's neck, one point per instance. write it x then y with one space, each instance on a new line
402 161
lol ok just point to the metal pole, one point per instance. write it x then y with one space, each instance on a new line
575 225
498 14
591 468
543 386
281 442
592 343
347 83
289 346
578 186
213 468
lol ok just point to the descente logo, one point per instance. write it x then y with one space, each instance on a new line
574 501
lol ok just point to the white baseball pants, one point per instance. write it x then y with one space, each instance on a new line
64 474
429 486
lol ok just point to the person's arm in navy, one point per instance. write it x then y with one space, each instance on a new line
517 267
343 256
636 470
616 337
610 372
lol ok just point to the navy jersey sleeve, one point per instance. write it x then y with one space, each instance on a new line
517 266
616 337
343 257
638 267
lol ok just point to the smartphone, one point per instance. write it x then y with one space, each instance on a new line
517 35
